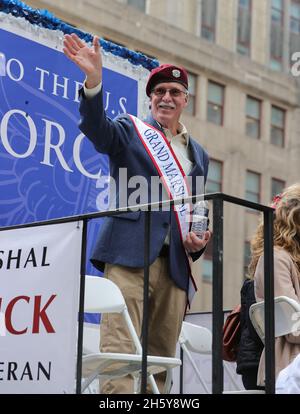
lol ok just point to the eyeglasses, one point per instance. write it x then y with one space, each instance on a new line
174 92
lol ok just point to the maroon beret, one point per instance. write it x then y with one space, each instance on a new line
166 73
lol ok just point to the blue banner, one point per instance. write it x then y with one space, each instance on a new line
48 168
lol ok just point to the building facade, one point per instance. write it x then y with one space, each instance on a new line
244 97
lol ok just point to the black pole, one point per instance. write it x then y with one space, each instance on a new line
269 302
146 297
181 372
217 297
81 307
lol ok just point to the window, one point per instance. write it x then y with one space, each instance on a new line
253 110
252 187
276 186
277 126
215 103
247 256
191 107
276 34
138 4
294 27
208 19
244 27
207 263
214 178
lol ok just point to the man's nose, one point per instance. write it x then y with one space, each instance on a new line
167 96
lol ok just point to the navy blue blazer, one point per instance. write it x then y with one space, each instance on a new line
121 240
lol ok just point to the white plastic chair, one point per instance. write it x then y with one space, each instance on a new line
285 320
198 339
104 296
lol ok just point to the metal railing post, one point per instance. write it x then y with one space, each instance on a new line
269 302
81 307
181 372
145 302
217 297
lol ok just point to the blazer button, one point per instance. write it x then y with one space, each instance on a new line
166 225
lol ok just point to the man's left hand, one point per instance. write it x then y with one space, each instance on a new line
194 244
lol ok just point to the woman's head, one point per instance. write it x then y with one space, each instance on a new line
286 227
287 217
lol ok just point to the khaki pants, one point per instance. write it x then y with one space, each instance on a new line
166 312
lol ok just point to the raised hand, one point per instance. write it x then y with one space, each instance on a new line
88 59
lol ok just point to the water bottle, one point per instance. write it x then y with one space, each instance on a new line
200 218
2 64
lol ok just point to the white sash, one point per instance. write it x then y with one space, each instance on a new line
173 178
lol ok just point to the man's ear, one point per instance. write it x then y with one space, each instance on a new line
186 99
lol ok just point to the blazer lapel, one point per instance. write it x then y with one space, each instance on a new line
198 165
155 124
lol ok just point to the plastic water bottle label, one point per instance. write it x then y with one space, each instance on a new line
199 225
2 64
